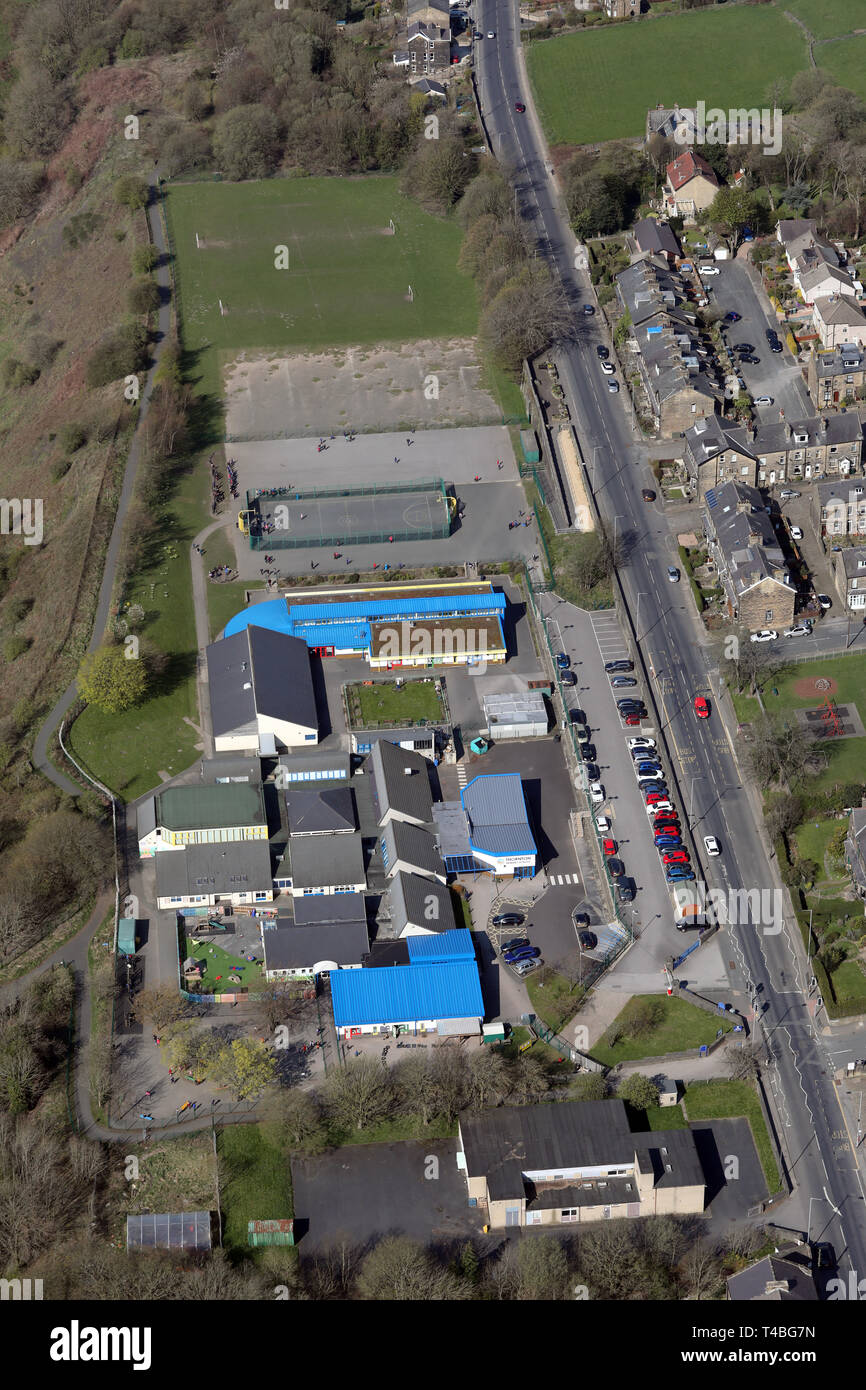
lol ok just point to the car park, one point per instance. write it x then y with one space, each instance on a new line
603 823
525 967
587 940
702 709
763 400
621 665
596 792
647 494
608 368
514 944
509 919
568 678
602 352
824 601
616 868
619 682
766 634
522 953
641 743
712 846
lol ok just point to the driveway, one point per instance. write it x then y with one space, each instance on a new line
776 375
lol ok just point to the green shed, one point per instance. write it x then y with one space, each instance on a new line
271 1232
529 445
126 936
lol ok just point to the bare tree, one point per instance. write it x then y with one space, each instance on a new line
359 1093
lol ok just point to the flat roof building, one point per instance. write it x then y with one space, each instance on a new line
439 992
201 814
515 716
488 830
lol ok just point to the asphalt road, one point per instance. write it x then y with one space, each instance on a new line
776 374
819 1155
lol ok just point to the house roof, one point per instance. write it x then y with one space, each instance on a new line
313 766
223 806
839 361
408 993
750 1285
312 811
401 781
654 236
243 866
839 309
496 815
411 844
854 561
790 228
324 861
813 278
420 902
689 166
329 909
259 672
290 947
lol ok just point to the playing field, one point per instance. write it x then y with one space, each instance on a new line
828 18
598 85
352 520
348 278
846 61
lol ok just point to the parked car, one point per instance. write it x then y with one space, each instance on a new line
629 702
645 786
744 347
602 352
647 494
525 967
706 270
514 944
583 734
620 665
641 743
654 807
732 316
673 574
592 771
776 346
702 709
825 601
750 357
596 793
588 310
633 720
796 533
667 824
587 940
823 1255
603 823
608 368
509 919
712 846
653 798
522 953
766 634
675 856
491 34
799 631
771 335
568 678
649 769
625 891
563 661
788 492
577 716
587 752
763 400
616 868
613 387
667 841
580 918
679 873
608 848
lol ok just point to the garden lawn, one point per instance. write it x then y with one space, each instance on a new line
223 602
393 705
683 1027
812 840
849 986
725 1100
255 1183
598 85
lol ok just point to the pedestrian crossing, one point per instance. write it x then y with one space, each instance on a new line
561 879
461 775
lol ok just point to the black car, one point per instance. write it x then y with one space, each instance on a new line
629 704
625 891
568 678
588 753
588 940
823 1255
577 716
776 346
750 358
602 352
580 919
588 310
515 944
509 919
744 347
592 771
772 335
610 666
732 317
616 868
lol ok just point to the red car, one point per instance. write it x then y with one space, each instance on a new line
518 106
702 709
633 721
653 797
675 856
609 847
662 826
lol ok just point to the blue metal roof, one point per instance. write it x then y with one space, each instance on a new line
498 823
273 614
356 636
406 993
453 945
420 606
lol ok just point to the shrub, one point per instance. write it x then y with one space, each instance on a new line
15 647
15 374
60 469
42 349
19 608
144 258
125 351
132 192
80 228
72 437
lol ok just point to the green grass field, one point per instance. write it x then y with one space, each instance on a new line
846 62
599 85
346 282
255 1183
722 1100
683 1027
825 19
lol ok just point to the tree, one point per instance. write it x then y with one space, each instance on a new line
246 1066
359 1094
439 173
293 1121
144 296
144 258
123 352
488 1078
247 142
527 314
107 680
38 112
131 192
590 1086
542 1269
162 1005
400 1270
488 195
643 1016
731 211
782 752
19 185
744 1062
598 203
639 1091
529 1081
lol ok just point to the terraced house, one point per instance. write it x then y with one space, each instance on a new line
717 452
749 560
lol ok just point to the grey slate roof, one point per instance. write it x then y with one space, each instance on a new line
654 236
420 902
300 948
401 781
750 1285
305 766
259 672
411 844
325 861
243 866
846 358
496 812
323 909
745 536
316 812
